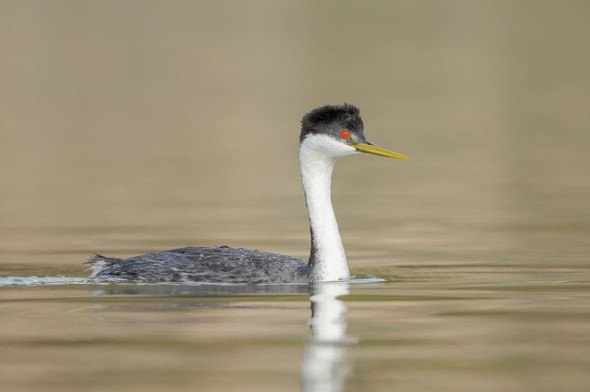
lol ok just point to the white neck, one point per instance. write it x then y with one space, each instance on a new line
318 155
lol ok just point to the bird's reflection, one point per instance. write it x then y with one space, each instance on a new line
324 367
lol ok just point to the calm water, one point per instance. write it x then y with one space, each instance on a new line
134 126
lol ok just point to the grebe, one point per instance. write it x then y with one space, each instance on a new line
327 134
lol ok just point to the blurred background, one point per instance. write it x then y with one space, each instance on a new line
130 126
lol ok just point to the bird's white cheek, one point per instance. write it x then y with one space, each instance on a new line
326 146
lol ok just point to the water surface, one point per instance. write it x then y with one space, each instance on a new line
129 127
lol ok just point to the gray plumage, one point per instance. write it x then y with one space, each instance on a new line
203 264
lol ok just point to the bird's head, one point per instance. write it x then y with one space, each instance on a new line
339 131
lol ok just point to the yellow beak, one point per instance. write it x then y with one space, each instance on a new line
372 149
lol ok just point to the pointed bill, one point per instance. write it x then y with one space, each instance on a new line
372 149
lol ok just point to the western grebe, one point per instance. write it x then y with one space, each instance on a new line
327 134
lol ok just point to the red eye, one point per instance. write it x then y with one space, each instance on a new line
345 134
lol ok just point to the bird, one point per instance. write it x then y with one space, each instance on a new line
327 133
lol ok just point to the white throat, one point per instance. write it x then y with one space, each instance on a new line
318 155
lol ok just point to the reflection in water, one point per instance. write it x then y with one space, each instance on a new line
324 366
200 290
